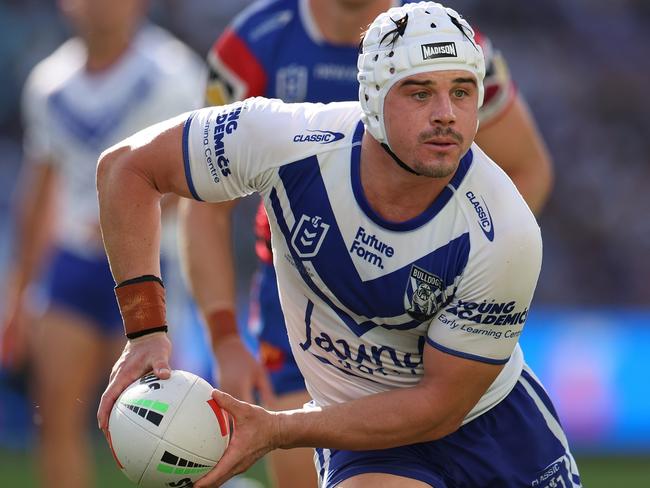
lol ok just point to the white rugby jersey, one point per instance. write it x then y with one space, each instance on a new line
71 116
362 296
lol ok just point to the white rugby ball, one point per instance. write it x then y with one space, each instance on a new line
168 433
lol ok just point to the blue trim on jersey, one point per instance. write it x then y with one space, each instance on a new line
186 157
428 214
466 355
308 196
94 131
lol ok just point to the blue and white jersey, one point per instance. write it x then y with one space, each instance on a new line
71 116
362 296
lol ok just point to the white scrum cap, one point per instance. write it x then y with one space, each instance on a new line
407 40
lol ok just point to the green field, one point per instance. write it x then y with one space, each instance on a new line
17 469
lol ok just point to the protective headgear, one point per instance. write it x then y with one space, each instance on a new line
415 38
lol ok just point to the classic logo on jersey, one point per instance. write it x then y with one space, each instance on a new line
438 50
424 294
483 214
291 83
320 136
489 312
308 235
215 158
371 249
556 475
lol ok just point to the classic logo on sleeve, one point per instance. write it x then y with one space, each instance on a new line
483 214
320 136
424 295
308 235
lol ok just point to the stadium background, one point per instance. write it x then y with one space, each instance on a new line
583 67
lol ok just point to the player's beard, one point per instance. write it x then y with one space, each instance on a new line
442 164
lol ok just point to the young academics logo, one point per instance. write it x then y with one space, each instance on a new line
308 235
320 136
424 294
439 50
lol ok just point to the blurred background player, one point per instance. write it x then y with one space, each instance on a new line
306 50
114 78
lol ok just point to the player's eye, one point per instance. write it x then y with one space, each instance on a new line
460 93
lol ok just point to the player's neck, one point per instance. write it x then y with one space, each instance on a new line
392 192
342 22
103 53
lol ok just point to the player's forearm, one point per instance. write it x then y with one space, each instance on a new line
33 224
206 254
129 211
207 259
379 421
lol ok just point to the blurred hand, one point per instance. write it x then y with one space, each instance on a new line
256 432
147 353
240 374
14 333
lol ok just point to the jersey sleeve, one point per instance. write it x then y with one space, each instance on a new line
486 315
500 89
235 73
37 140
230 151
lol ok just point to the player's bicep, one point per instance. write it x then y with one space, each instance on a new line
156 153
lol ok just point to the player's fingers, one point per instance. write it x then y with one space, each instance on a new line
222 472
161 368
225 401
121 377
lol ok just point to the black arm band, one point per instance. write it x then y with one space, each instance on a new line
140 333
141 279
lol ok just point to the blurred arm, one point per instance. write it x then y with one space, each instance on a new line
208 264
514 143
35 215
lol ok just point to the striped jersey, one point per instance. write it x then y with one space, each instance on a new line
362 297
71 116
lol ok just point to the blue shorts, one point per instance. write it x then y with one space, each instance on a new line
84 286
275 351
518 443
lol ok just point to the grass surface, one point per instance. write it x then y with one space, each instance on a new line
18 469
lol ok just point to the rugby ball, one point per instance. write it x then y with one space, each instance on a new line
167 433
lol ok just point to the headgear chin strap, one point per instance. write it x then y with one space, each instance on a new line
399 162
408 40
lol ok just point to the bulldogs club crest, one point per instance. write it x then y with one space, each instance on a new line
424 294
308 235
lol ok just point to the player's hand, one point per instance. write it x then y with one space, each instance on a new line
147 353
256 431
240 374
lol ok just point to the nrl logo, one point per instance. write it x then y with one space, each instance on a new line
424 294
308 235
